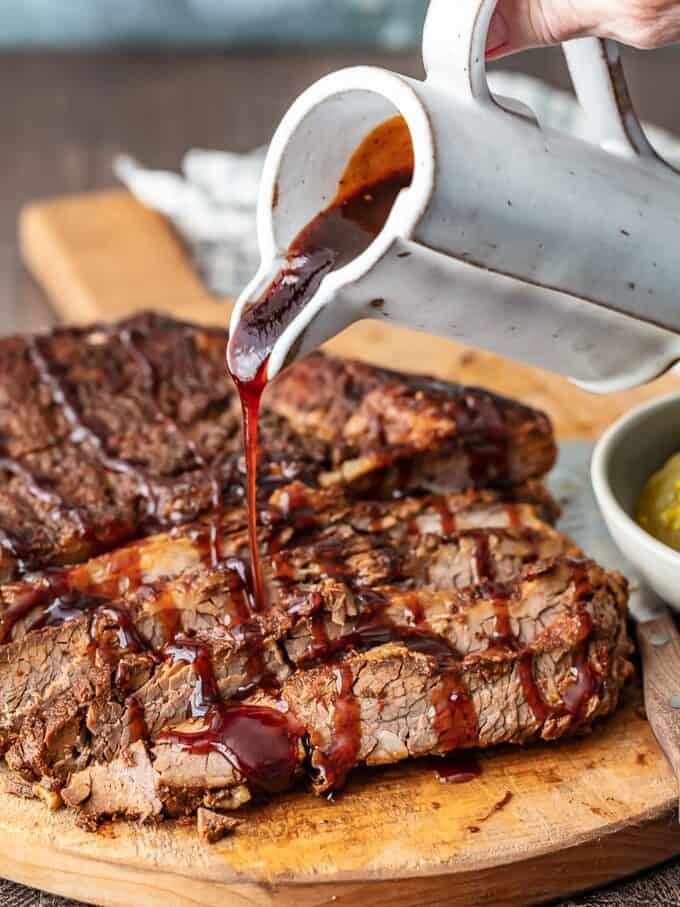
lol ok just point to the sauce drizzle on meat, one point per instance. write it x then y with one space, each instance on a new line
259 741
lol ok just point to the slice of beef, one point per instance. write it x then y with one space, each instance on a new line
427 434
125 669
44 666
407 698
305 531
212 826
409 674
112 432
217 760
418 694
126 786
408 546
545 602
55 677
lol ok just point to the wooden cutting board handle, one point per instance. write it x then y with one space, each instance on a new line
660 649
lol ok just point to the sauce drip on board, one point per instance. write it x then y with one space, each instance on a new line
331 240
457 768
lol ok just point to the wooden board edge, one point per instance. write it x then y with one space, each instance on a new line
534 881
50 253
44 258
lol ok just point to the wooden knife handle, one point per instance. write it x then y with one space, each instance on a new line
660 649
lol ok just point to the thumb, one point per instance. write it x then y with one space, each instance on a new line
519 24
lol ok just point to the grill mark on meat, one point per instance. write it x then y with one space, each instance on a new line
127 339
81 432
60 506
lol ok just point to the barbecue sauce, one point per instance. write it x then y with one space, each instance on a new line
250 392
343 750
260 742
457 768
585 681
331 240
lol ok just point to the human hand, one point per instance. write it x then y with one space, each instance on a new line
518 24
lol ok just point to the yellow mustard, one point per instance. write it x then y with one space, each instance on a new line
658 508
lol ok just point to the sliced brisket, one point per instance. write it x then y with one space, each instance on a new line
113 432
418 597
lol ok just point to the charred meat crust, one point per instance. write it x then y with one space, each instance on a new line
114 432
419 598
382 640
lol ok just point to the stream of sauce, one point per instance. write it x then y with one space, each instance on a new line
331 240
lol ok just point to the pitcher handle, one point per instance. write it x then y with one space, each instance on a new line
454 46
596 71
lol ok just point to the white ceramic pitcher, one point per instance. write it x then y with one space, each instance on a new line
524 241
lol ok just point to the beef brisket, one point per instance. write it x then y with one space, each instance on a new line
471 593
418 596
111 433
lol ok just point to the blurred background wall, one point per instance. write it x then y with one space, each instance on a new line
68 23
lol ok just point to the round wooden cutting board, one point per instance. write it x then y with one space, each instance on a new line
539 823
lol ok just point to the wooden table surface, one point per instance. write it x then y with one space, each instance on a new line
64 116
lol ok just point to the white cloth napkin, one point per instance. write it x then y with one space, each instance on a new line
212 203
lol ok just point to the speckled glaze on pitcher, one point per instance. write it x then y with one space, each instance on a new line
524 241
